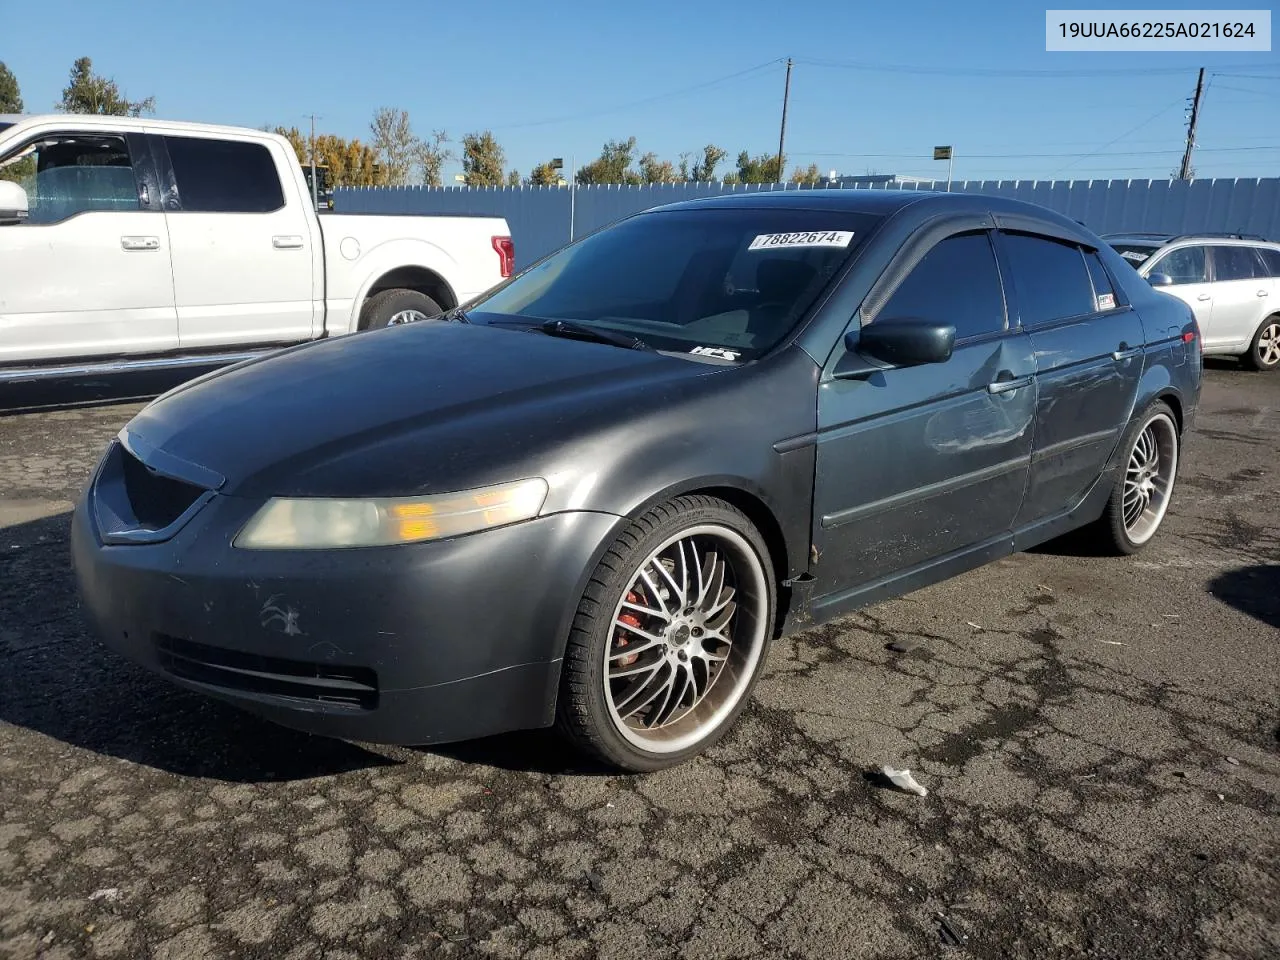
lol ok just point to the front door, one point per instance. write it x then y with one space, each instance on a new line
244 258
87 275
1089 348
917 464
1188 268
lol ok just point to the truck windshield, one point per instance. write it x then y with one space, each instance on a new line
714 283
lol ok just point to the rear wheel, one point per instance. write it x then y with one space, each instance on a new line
1142 493
393 307
1264 351
670 636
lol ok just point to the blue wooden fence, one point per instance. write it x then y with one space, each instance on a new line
539 217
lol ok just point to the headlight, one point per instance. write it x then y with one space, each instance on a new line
314 523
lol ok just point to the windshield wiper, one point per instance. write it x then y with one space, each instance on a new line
580 331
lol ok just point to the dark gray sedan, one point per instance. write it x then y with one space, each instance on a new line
595 496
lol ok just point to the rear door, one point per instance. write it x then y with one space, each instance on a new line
918 463
87 275
1242 295
1089 351
244 263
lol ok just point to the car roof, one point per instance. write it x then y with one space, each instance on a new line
1160 239
94 121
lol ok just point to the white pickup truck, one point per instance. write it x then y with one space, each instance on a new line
134 243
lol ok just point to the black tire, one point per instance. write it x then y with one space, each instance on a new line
583 713
1110 534
381 307
1258 357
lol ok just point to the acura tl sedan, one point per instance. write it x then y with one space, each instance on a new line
595 495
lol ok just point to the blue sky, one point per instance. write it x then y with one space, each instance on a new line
558 79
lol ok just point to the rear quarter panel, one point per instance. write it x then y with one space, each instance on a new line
359 249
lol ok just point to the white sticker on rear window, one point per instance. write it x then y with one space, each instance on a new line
812 238
1134 255
1106 301
720 352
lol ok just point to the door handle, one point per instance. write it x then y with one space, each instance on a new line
287 243
1125 352
140 243
1262 293
1007 382
1204 297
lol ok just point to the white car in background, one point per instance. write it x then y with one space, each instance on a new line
1230 280
132 243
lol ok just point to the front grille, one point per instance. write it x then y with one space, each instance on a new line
156 500
355 687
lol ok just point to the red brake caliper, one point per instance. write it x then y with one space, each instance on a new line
621 639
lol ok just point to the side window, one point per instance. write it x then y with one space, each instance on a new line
64 175
1104 292
1270 259
957 282
1184 265
1235 263
1051 278
224 176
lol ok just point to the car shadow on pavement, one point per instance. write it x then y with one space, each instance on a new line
58 679
530 751
1254 590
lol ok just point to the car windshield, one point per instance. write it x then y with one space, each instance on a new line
1136 253
727 283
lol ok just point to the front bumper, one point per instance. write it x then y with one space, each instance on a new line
415 644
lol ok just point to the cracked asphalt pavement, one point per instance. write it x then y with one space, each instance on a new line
1100 739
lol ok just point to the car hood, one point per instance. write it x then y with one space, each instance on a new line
408 409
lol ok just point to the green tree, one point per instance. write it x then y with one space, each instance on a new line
613 165
482 160
432 155
653 170
513 178
395 144
10 95
705 169
811 177
544 175
761 169
86 92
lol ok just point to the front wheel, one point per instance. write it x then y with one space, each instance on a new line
1264 350
670 636
1142 493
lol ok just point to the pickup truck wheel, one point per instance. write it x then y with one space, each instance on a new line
392 307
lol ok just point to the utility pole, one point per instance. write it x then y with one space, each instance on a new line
1185 172
315 193
782 136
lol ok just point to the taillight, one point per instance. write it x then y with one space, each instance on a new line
506 251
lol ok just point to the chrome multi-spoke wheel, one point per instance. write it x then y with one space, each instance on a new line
670 635
688 634
406 316
1140 496
1149 476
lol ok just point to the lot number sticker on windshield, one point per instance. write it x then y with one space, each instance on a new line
813 238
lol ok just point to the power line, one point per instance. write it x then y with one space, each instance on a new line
1151 119
984 71
586 115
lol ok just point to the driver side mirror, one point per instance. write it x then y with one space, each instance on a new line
1160 280
13 203
886 344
